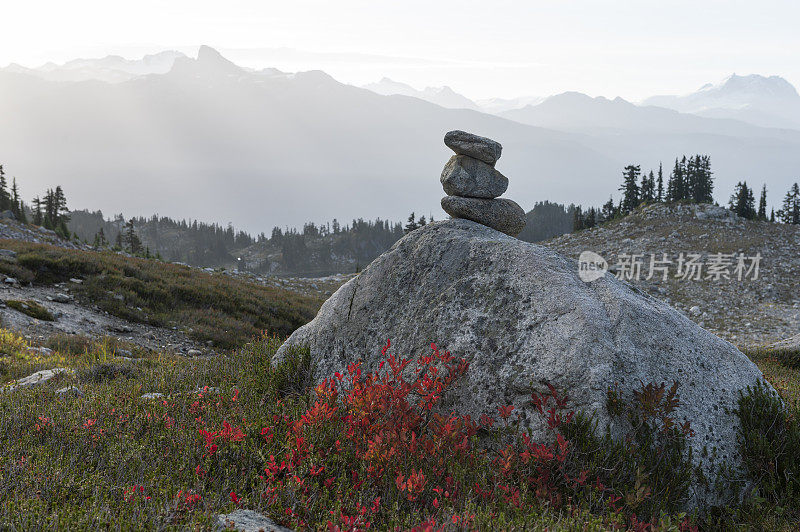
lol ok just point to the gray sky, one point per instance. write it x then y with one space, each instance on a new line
500 48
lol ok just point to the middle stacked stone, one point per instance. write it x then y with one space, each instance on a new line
473 184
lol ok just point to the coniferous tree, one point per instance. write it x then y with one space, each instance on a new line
100 239
38 218
630 188
577 218
772 216
762 204
591 218
609 211
132 239
5 197
412 224
742 202
698 183
675 185
660 186
18 207
790 213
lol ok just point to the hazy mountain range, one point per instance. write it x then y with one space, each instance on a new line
204 138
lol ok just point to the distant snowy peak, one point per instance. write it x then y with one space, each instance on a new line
753 85
442 96
209 63
388 87
497 106
110 69
766 101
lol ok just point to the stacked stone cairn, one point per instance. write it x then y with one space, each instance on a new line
473 186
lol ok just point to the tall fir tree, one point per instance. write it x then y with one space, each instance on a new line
762 204
647 190
790 211
699 181
609 211
5 197
18 207
38 218
132 240
742 202
630 188
660 186
577 218
676 189
412 224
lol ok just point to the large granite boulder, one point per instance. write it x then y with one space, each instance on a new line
520 313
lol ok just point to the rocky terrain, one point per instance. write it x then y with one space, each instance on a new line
73 318
748 312
10 228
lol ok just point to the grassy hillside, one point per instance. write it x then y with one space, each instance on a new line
207 306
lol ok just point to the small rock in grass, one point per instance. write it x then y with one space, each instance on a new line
206 390
70 390
35 379
152 395
194 353
249 521
41 350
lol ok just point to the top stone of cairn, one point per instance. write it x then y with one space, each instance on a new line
481 148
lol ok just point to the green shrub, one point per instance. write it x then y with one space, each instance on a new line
789 357
294 377
770 438
31 308
70 344
651 467
108 372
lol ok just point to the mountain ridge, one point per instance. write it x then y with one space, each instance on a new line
264 148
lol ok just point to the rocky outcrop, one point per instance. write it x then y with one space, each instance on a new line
520 314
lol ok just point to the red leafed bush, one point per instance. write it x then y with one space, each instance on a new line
376 445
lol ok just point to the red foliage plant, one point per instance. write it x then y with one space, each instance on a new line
369 446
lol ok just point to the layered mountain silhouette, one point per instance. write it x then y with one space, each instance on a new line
443 96
211 140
